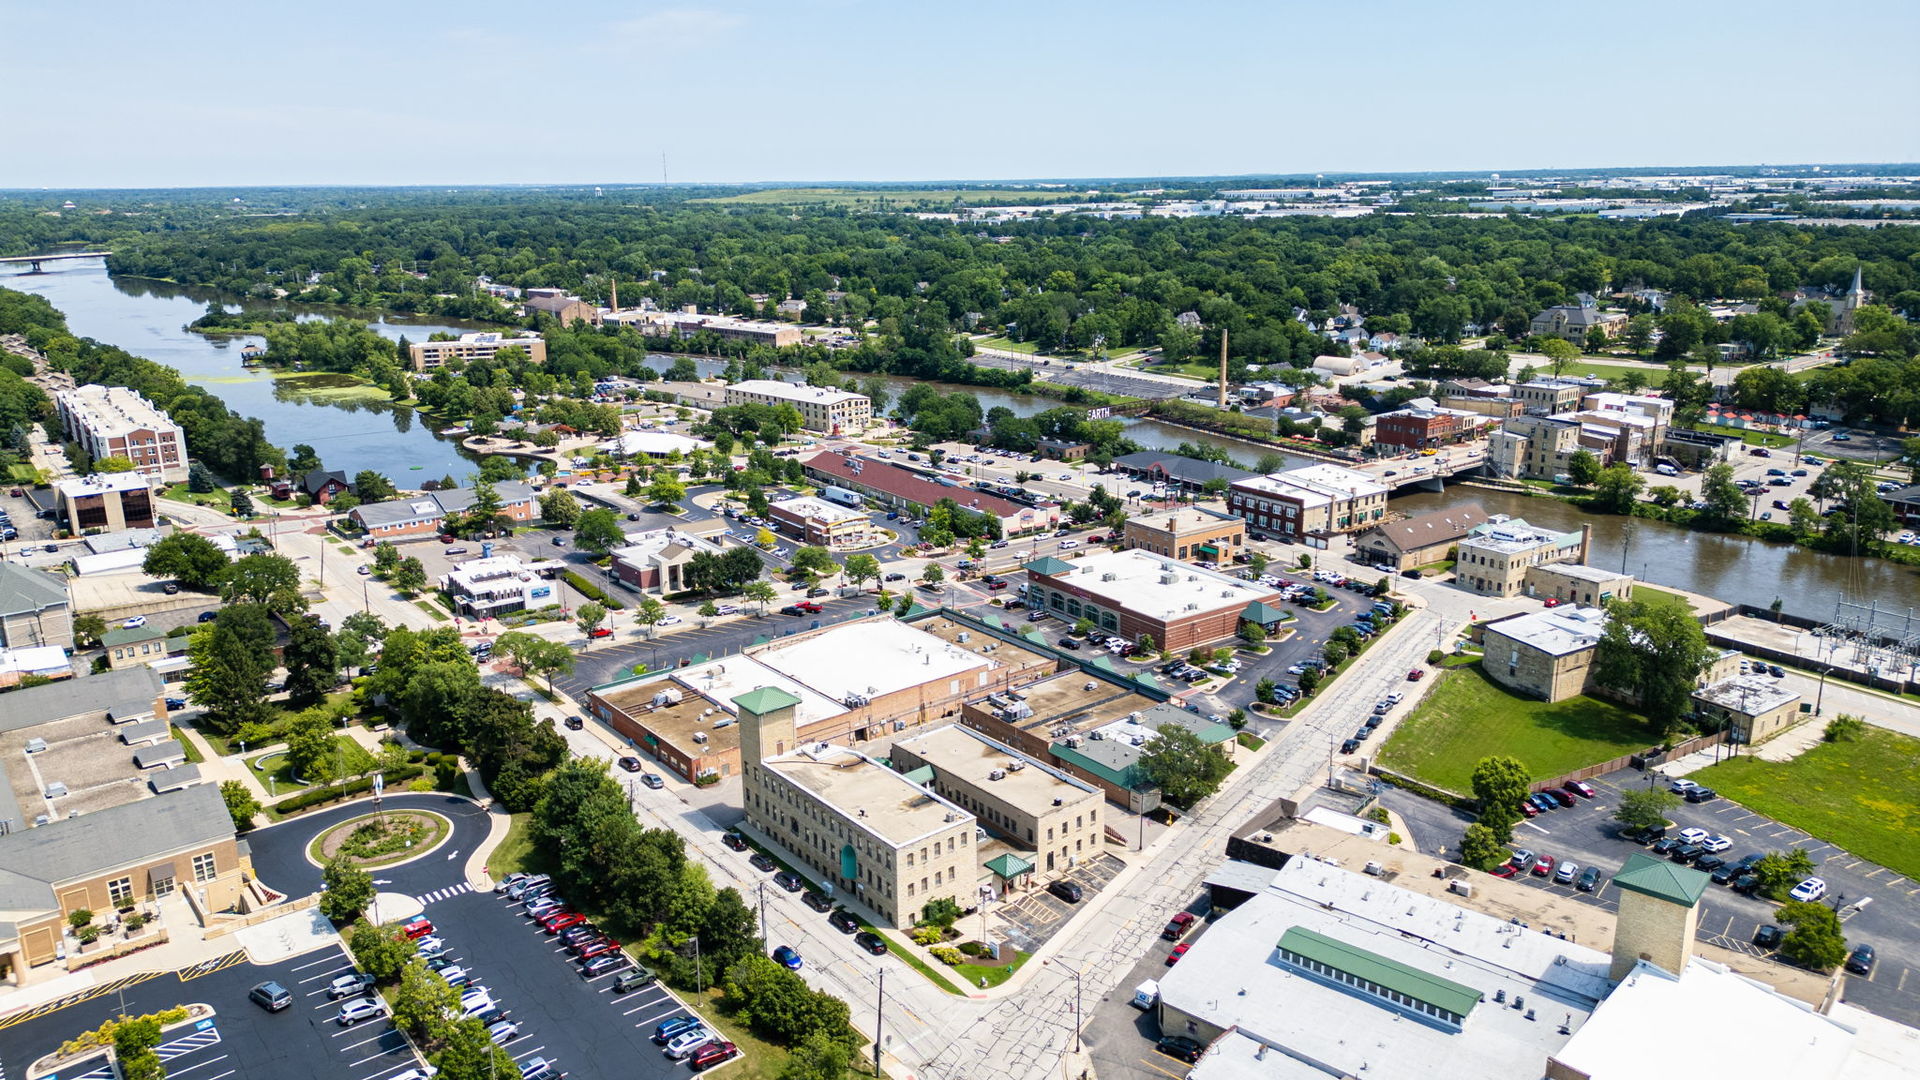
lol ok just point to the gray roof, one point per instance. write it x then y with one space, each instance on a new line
398 511
124 540
145 730
148 756
457 500
61 851
180 776
27 590
317 479
122 695
1185 469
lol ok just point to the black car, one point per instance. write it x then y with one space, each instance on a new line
1860 961
1746 883
734 841
1066 890
1069 644
1589 879
575 723
789 881
1709 863
1686 853
762 863
873 943
1179 1046
632 764
1666 844
1769 936
817 902
843 921
1727 873
1701 794
1350 746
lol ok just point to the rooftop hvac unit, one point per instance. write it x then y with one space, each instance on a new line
1226 593
1109 577
1073 740
56 789
1058 802
997 774
1091 685
700 736
964 636
1096 735
1169 579
1139 740
725 721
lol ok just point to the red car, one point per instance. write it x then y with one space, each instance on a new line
809 607
446 538
417 927
1416 674
553 924
599 632
712 1054
1178 926
1553 601
1543 868
1581 788
1529 809
1507 870
1096 538
1179 951
599 948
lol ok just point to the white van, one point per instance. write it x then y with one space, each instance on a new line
1666 470
1146 995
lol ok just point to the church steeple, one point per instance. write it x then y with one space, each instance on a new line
1856 293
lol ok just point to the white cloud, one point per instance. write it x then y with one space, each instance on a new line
675 28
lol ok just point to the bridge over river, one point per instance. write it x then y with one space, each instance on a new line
36 260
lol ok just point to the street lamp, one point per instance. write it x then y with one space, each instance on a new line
1076 1003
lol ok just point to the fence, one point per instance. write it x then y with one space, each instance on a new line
1646 759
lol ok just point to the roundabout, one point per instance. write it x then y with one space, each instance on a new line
384 839
282 856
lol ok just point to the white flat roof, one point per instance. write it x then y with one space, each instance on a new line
871 658
100 483
806 506
794 391
656 442
1557 632
1233 977
1632 1035
867 794
1749 694
1133 579
728 677
1334 480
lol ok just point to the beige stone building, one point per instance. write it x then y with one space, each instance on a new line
105 502
1545 397
1577 583
1052 819
1659 914
867 831
832 412
1533 447
1543 654
434 355
1495 558
1752 708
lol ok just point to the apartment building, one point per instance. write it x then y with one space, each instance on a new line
114 421
1309 504
1539 447
1051 818
833 412
467 348
1494 559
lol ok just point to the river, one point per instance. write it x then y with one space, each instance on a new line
350 433
147 319
1737 569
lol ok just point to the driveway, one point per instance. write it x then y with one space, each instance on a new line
1586 833
280 851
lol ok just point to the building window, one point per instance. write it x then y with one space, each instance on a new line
120 892
203 867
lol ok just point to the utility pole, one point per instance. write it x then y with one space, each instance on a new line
763 912
879 1020
1223 368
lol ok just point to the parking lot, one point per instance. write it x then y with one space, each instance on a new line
1037 915
1119 1037
1587 834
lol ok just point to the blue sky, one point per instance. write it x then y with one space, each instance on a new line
118 93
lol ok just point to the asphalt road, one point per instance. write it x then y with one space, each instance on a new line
280 851
1586 833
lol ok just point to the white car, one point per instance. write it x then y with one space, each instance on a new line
1066 476
361 1009
1682 786
133 623
728 609
476 1001
1069 544
1693 836
682 1045
349 985
670 620
503 1032
1716 844
1809 890
430 947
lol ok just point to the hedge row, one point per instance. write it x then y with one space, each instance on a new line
591 591
332 792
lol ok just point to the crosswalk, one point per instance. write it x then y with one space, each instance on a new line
443 894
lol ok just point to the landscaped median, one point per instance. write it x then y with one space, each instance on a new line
1467 716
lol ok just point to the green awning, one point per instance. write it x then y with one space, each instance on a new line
1009 866
922 775
1262 614
1047 564
994 621
1103 663
1147 680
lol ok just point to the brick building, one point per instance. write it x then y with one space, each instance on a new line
1190 533
1309 504
114 421
1422 429
1134 593
903 489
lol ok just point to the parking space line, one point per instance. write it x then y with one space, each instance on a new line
527 1053
375 1057
198 1065
660 1016
317 963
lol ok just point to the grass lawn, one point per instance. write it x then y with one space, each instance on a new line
1747 435
1008 345
973 973
1468 717
1648 592
1650 376
516 852
1862 795
192 749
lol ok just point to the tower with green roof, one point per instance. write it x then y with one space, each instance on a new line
1659 912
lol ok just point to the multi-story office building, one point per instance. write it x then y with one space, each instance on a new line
834 412
433 355
106 502
114 421
1495 558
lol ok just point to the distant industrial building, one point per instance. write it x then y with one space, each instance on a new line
468 348
832 412
903 489
114 421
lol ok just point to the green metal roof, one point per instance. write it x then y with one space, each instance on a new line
1264 614
1009 865
1661 879
128 635
1380 971
764 700
993 621
922 775
1047 564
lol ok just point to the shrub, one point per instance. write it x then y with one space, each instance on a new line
946 955
973 948
1435 657
1393 838
591 591
707 779
927 935
79 918
89 935
135 922
316 796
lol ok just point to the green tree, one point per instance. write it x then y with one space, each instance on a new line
240 502
1145 648
1777 872
1726 503
372 487
1559 354
860 569
385 558
818 1057
814 561
1309 680
241 805
270 580
1815 942
666 488
559 508
1583 467
228 674
381 951
1185 768
200 480
303 460
409 576
423 1003
1482 848
469 1053
588 617
1254 634
933 574
760 592
1867 516
357 641
345 890
1617 488
1266 691
942 912
649 612
1652 651
312 660
598 531
1644 808
545 659
1499 783
189 559
312 750
134 1040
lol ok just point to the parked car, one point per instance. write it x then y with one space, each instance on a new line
270 996
1581 788
1178 926
1809 890
348 985
685 1043
368 1008
871 942
1589 879
1693 836
789 881
1567 872
632 764
1716 844
1066 890
1860 961
761 863
633 980
665 1031
604 963
1701 794
788 957
712 1053
1179 951
733 840
1180 1047
1523 860
417 927
1544 867
502 1032
1769 936
843 921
